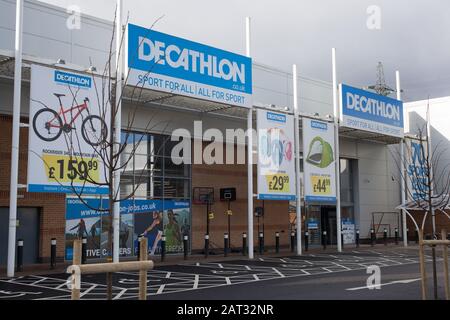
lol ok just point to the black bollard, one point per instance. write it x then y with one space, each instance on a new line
53 254
342 239
292 241
225 244
324 240
357 238
396 236
20 255
138 250
385 234
244 243
306 240
417 236
373 238
206 245
261 243
185 247
277 242
163 248
83 250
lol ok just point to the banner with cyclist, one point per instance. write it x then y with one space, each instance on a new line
276 167
138 217
69 124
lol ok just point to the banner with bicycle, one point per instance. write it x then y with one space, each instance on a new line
69 123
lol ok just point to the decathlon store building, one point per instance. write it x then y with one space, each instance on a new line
171 192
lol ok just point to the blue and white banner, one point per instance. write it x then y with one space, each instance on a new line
276 167
371 112
319 161
67 130
162 62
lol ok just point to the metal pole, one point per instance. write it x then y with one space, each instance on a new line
249 155
337 156
15 140
402 168
297 162
117 130
225 244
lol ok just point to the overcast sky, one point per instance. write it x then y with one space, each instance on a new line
414 36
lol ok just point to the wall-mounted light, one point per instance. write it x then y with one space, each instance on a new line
92 69
61 61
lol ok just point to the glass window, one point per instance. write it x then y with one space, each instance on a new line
150 170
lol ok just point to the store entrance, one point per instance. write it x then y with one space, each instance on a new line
328 224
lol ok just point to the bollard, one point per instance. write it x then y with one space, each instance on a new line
417 236
53 254
185 246
277 242
225 244
261 243
385 237
373 238
244 243
357 238
84 250
324 240
20 255
163 248
292 241
396 236
306 240
206 245
138 252
407 235
342 239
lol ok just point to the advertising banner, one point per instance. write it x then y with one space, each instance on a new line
319 161
162 62
276 163
66 126
149 218
371 112
348 231
416 171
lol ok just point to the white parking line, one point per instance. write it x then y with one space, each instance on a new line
278 272
196 281
161 289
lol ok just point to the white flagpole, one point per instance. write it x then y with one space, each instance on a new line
402 167
117 129
249 154
337 156
15 140
297 161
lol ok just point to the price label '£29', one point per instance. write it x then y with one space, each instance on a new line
278 183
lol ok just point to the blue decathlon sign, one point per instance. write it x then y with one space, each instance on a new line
372 112
166 63
73 79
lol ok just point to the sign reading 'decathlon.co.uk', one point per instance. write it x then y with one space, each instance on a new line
162 62
371 112
67 131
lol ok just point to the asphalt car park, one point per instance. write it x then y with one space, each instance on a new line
305 276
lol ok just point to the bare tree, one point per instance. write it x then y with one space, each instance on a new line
427 183
115 158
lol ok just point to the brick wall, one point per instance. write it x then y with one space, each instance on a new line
224 176
51 206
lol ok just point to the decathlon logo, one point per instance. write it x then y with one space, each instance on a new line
276 117
319 125
73 79
163 54
373 107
